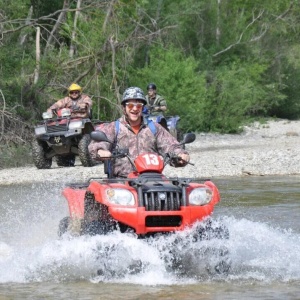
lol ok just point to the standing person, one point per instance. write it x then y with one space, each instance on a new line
80 104
155 101
136 135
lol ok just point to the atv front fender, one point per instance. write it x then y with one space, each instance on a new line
75 198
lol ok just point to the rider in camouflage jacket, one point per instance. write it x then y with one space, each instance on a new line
79 103
138 138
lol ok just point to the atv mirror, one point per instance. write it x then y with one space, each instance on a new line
188 138
99 136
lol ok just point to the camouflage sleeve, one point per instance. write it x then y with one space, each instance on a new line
109 130
58 104
166 142
88 101
84 103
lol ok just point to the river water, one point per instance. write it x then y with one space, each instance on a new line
261 213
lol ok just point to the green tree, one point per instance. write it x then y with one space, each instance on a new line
178 81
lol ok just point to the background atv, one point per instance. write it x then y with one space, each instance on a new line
61 136
170 123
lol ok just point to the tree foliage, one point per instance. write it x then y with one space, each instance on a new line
218 63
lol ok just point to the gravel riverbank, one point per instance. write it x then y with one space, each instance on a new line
262 149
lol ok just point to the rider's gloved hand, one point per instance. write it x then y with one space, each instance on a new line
184 159
103 154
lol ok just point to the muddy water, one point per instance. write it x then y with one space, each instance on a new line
261 213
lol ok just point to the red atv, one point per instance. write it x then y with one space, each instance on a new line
61 136
146 203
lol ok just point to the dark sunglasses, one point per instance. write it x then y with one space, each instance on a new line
74 92
131 105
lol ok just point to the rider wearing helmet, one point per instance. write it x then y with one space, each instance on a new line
136 135
155 101
79 103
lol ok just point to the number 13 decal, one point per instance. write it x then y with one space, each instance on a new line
151 159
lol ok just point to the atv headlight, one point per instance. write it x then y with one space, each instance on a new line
75 124
200 196
47 115
120 197
66 112
40 130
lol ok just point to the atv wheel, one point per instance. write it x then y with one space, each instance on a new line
207 231
65 161
38 155
94 228
92 224
63 226
83 151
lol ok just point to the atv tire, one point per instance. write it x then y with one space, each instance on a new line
94 228
65 161
63 226
39 155
83 151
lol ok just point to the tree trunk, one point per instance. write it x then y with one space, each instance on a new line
72 46
28 19
108 14
37 55
56 26
113 67
218 32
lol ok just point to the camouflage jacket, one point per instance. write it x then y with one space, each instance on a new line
157 101
79 108
144 141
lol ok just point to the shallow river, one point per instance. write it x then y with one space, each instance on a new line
261 213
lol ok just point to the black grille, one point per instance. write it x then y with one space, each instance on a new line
58 128
162 201
163 221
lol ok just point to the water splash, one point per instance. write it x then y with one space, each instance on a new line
30 250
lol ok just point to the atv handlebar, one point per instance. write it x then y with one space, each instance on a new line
169 158
119 153
148 109
174 159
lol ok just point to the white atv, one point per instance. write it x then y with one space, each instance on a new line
61 136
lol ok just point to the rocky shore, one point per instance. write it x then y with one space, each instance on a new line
272 148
